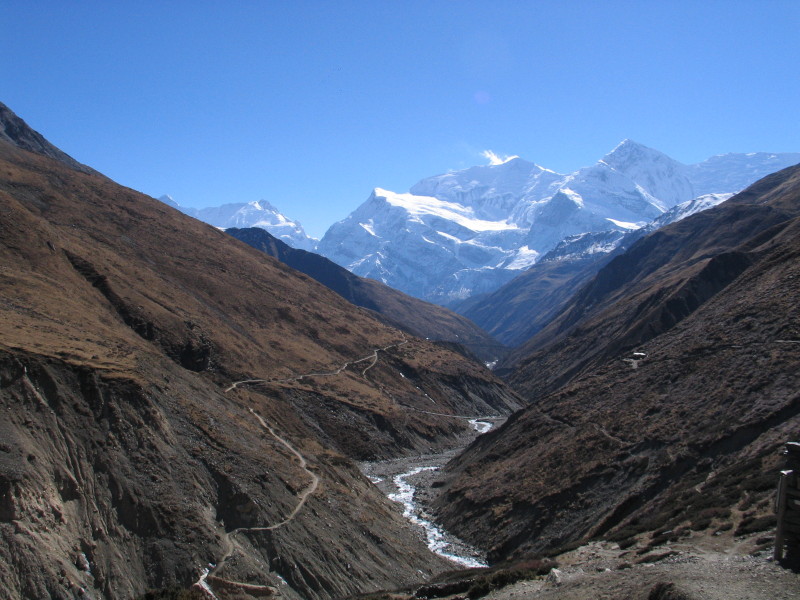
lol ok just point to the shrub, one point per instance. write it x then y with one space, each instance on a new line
754 524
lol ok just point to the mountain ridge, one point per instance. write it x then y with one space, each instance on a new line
414 316
137 347
480 227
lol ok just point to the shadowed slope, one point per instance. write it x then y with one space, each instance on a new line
392 307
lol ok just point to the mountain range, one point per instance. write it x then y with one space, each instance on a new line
185 408
661 392
259 213
468 232
520 308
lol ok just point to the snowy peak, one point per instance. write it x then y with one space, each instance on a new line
658 174
167 199
259 213
492 191
466 232
420 207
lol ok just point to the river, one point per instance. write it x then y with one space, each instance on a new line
400 479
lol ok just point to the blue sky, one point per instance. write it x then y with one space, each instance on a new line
310 105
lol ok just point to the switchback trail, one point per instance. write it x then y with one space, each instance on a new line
209 577
373 356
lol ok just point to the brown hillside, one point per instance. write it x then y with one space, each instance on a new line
685 434
127 461
390 306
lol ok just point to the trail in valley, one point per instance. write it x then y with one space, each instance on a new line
208 576
406 492
373 357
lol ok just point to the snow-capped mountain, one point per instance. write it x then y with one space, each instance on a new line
584 245
470 231
251 214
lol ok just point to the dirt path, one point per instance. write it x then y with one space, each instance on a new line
373 357
700 569
209 578
309 489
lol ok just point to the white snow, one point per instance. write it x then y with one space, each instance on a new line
476 229
572 195
496 159
428 205
369 228
625 224
524 258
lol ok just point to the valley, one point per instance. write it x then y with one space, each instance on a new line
122 324
196 413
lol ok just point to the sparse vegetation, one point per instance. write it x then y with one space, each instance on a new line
754 524
479 584
173 593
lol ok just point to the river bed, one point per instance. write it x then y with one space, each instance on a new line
401 480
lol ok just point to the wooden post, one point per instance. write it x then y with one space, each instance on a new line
787 506
780 510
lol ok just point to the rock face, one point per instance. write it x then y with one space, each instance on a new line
128 460
469 232
660 394
391 306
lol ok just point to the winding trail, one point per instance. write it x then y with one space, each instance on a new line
373 356
208 577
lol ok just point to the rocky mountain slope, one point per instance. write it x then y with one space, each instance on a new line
130 457
660 395
15 131
393 307
468 232
259 213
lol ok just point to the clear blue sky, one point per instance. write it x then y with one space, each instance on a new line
312 104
